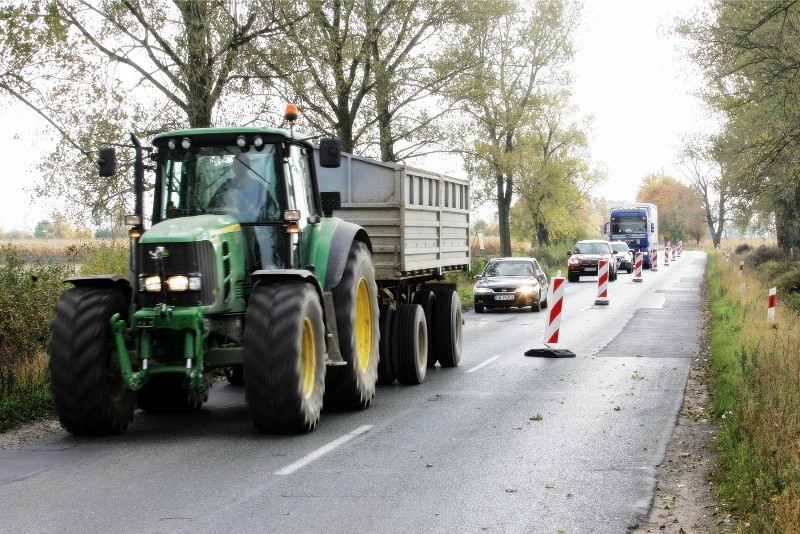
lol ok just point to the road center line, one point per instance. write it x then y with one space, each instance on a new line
484 364
325 449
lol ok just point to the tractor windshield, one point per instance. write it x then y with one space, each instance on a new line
221 180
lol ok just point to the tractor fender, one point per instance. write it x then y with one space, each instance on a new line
101 280
270 275
343 237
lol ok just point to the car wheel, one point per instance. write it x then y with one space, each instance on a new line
479 308
573 277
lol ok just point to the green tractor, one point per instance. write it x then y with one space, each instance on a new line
239 271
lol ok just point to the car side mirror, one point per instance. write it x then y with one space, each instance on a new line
569 253
478 276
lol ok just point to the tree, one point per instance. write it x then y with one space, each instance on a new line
516 56
44 230
705 164
680 213
750 54
95 71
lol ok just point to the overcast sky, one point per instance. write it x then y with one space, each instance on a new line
629 74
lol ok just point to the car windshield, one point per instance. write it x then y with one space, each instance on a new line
619 249
591 248
629 224
509 268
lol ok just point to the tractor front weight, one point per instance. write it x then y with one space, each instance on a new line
154 323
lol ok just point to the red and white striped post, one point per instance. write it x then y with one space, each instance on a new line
680 248
666 255
741 278
674 252
637 270
556 298
602 283
772 299
654 260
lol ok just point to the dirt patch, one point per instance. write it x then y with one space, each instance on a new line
29 432
685 499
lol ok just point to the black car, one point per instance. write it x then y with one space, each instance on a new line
511 283
625 261
584 257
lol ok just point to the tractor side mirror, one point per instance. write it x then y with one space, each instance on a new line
107 162
330 153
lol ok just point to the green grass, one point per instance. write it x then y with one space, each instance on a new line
27 404
756 400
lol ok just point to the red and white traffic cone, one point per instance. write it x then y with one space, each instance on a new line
654 260
556 298
602 283
772 299
637 270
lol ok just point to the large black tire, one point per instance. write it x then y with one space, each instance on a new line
88 390
427 299
172 393
386 374
448 321
284 357
543 305
411 335
355 299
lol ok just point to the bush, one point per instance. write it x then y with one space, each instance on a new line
28 295
764 254
743 248
107 258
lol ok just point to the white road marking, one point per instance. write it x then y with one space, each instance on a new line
325 449
484 364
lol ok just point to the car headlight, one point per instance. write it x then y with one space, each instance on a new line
528 289
574 261
482 290
176 282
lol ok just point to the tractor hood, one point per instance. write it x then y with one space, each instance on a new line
190 229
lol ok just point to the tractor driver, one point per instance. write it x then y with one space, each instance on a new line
245 194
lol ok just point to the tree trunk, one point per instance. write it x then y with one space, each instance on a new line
198 66
503 210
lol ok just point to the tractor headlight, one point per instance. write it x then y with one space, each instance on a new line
176 283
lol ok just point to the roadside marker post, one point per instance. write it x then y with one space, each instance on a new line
602 283
680 248
666 256
551 331
741 278
772 299
674 249
654 260
637 272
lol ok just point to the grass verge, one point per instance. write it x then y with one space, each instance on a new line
756 391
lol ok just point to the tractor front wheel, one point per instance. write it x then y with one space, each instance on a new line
284 357
88 390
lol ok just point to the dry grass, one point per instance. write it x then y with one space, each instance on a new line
761 448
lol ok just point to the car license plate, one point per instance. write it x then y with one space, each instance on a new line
504 297
590 269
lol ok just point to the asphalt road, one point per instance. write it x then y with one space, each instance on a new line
503 443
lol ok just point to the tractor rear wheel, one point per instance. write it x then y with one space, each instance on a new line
284 357
411 346
355 300
448 321
88 390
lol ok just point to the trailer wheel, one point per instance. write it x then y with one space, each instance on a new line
172 393
386 374
235 375
427 299
448 321
412 344
355 300
284 357
88 390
